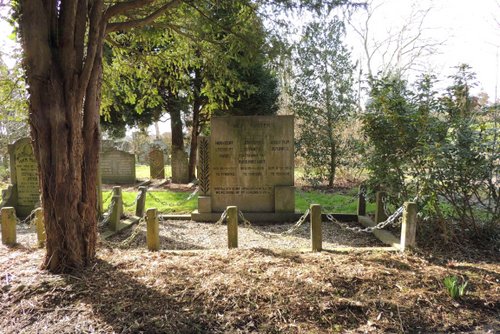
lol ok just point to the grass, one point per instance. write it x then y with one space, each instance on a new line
142 171
175 202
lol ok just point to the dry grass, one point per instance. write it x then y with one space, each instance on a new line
247 290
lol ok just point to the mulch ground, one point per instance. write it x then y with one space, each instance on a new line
253 290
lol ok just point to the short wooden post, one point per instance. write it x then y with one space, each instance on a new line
117 212
232 227
362 200
380 215
409 225
141 202
40 227
153 230
8 226
316 234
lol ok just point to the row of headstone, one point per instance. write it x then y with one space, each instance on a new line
116 167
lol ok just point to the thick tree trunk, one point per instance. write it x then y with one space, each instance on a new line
63 75
196 127
176 128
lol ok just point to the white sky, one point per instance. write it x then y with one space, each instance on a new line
470 29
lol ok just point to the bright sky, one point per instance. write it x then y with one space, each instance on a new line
470 31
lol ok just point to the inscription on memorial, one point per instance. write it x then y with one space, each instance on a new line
26 175
249 156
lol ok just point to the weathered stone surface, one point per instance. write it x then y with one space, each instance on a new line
180 172
204 204
284 199
117 167
249 156
25 191
156 164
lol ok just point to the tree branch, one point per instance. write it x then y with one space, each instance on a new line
142 21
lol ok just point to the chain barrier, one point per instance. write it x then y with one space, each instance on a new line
107 197
291 230
129 205
111 206
28 218
391 220
127 242
223 217
157 199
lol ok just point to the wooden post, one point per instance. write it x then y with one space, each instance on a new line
40 227
153 230
117 212
232 227
8 226
141 202
380 215
362 200
409 226
316 235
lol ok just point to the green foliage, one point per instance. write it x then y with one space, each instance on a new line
437 148
207 57
322 98
454 288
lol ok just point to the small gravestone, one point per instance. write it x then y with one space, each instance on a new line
156 164
180 172
23 194
247 162
117 167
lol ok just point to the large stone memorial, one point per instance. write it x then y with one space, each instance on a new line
117 167
23 193
248 161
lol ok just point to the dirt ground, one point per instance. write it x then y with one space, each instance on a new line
255 289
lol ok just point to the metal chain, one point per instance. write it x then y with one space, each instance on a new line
110 209
127 205
107 197
222 218
28 218
291 230
126 243
154 197
392 219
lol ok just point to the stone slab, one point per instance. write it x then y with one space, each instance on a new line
204 204
249 156
117 167
156 164
385 236
284 199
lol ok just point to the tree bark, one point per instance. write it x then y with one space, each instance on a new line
64 90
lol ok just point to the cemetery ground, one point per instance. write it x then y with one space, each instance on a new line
268 285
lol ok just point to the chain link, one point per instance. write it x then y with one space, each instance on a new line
223 217
111 206
28 218
128 205
107 197
391 220
157 199
126 243
291 230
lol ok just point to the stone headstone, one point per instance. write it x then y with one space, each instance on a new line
180 171
117 167
24 193
251 164
156 164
